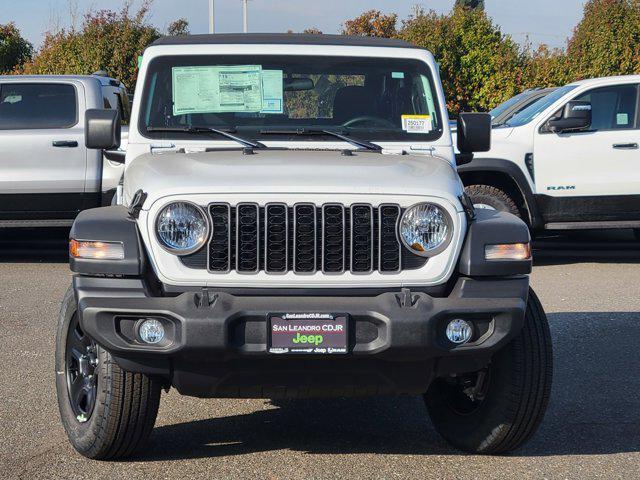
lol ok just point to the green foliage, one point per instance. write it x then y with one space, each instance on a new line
480 67
372 24
14 50
547 68
470 4
107 40
607 40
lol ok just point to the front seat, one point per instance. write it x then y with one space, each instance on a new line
352 102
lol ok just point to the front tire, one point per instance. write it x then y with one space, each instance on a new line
107 412
486 196
499 408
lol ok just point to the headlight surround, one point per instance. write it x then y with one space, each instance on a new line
182 228
425 229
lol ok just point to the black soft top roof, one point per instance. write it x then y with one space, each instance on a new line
282 39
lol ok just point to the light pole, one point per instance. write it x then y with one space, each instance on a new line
212 24
244 15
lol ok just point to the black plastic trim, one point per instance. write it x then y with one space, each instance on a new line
108 224
217 342
283 39
516 174
491 228
594 208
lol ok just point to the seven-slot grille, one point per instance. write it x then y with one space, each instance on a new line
304 238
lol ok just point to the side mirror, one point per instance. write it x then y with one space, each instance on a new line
102 129
576 116
474 135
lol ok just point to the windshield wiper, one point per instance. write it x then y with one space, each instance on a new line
313 131
197 129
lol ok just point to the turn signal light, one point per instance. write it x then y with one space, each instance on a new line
96 250
508 251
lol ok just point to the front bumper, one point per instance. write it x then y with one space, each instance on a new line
217 342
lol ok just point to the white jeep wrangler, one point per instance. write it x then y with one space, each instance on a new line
293 225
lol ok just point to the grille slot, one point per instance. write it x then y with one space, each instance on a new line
276 242
333 238
220 242
361 238
303 238
389 248
247 238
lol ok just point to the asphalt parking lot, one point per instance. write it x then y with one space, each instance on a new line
592 427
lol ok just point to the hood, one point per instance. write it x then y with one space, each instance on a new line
500 133
289 171
497 135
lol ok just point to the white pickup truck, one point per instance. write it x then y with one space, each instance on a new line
47 175
569 161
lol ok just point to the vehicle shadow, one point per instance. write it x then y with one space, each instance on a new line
33 245
594 409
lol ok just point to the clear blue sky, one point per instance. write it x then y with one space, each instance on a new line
545 21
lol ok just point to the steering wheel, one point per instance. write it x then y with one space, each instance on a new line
368 118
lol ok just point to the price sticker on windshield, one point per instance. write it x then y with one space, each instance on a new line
417 123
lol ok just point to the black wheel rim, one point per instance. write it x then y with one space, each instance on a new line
465 394
81 362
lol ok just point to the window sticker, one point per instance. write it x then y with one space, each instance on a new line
417 123
272 91
235 88
398 75
622 119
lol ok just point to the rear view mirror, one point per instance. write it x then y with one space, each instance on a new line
102 129
474 135
576 116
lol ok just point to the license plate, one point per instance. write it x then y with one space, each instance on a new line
308 333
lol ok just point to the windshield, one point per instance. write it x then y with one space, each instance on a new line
259 95
504 106
535 109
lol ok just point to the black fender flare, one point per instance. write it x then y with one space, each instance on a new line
109 224
510 169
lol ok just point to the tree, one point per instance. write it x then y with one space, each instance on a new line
480 66
470 4
312 31
547 68
107 40
607 39
178 27
14 50
372 24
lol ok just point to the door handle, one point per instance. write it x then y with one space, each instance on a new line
625 146
65 143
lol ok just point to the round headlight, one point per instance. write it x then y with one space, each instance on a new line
425 229
182 228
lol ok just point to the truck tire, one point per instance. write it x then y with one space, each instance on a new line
486 196
499 408
107 412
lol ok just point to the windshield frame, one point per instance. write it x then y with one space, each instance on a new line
536 109
369 133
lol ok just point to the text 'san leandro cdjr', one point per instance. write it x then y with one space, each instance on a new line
292 224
